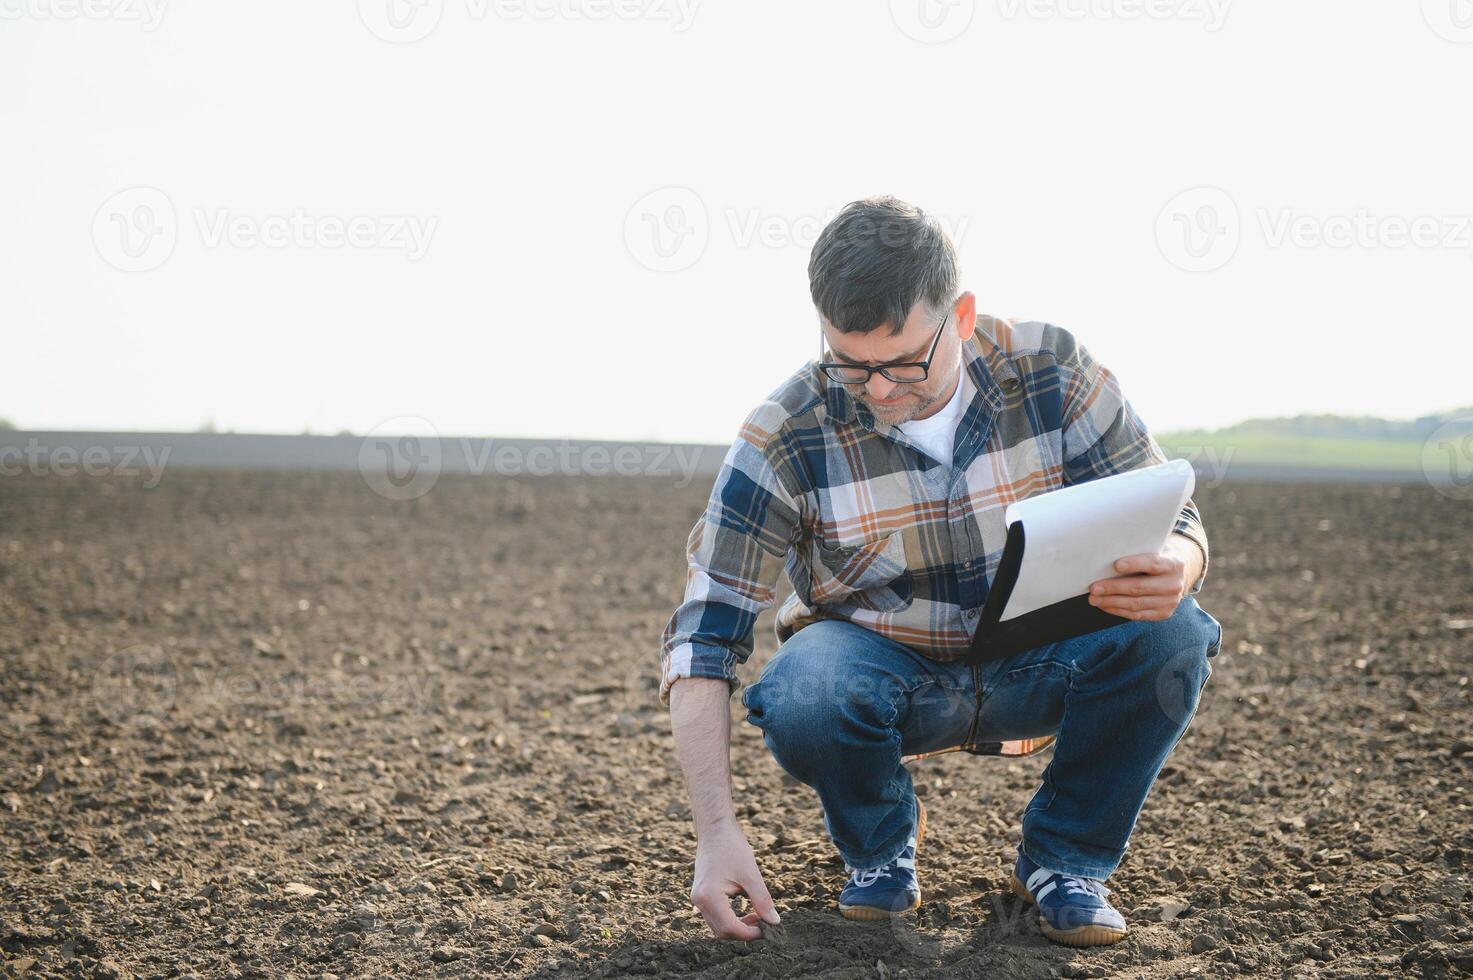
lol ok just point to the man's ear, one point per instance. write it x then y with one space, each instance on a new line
965 312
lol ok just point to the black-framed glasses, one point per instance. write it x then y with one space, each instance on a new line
901 372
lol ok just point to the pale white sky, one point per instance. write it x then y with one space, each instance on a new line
336 214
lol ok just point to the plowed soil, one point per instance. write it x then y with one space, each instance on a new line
271 724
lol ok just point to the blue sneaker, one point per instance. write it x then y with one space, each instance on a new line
1073 911
889 890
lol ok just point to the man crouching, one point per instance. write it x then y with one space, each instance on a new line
877 476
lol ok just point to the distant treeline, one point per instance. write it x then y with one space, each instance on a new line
1332 427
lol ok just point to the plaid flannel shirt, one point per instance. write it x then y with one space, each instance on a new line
871 529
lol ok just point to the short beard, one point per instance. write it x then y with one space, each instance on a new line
926 401
909 413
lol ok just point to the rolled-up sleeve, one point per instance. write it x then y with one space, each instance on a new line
734 556
1104 436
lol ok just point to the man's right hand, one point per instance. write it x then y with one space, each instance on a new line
725 866
701 723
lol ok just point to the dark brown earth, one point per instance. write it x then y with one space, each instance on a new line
266 724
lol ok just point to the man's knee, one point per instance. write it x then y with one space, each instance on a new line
1198 626
811 690
1175 655
1189 630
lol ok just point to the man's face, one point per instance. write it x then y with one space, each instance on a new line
893 403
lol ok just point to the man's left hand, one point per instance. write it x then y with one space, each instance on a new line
1150 587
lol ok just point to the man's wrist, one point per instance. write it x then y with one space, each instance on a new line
725 825
1193 556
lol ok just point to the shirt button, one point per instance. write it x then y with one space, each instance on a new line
969 614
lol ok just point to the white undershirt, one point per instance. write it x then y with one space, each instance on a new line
935 435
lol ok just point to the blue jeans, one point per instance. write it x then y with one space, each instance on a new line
839 705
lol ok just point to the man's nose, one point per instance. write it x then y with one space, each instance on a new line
879 386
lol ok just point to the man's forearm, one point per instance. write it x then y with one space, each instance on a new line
700 720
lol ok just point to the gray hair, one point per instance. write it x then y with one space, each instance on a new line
875 260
